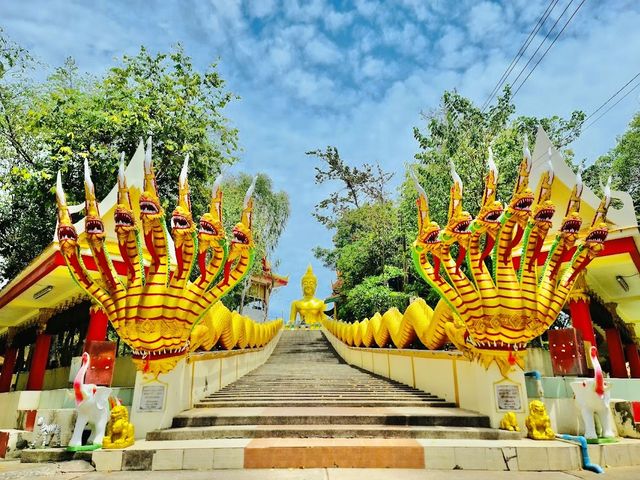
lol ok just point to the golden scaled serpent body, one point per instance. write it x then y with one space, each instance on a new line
160 313
491 314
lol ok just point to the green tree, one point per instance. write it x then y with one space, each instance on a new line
622 163
56 124
372 237
461 132
372 295
358 185
270 214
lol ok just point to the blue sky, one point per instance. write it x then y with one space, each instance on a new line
356 75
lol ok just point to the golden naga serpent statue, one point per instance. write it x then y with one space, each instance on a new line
160 313
489 315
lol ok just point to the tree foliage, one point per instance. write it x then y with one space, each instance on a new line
55 124
461 132
374 294
358 185
270 214
371 244
622 163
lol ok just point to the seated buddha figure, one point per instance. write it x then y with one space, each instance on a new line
310 308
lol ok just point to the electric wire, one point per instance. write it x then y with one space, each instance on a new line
611 97
588 122
608 109
551 45
541 20
523 69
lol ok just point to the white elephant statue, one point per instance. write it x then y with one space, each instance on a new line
92 405
593 396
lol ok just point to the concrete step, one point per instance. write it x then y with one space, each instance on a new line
327 403
430 454
408 416
323 393
330 431
320 398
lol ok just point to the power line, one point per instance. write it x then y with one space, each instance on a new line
611 97
608 109
542 42
589 124
549 47
541 20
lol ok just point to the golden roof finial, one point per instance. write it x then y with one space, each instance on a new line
601 212
576 195
63 210
546 181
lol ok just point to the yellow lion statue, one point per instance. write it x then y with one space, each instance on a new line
509 422
120 432
538 422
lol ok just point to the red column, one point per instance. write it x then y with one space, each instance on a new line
10 357
616 354
39 362
581 319
97 329
631 352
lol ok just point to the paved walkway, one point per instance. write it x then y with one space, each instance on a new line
81 470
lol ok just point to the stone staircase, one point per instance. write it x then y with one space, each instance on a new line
305 390
306 408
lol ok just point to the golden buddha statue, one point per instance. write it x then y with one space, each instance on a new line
310 308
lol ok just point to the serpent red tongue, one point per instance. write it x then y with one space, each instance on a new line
436 266
461 254
202 263
514 242
491 241
536 253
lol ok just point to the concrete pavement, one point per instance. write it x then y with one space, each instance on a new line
81 470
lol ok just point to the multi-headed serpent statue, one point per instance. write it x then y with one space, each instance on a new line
155 310
492 313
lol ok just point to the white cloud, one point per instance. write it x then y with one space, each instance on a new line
280 56
322 51
367 8
486 21
312 88
261 8
407 39
304 10
372 68
335 20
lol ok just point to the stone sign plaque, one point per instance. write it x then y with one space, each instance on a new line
508 397
152 398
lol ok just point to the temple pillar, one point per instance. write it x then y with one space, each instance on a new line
97 329
580 314
10 357
40 357
631 352
616 354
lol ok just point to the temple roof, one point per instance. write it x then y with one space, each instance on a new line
45 284
621 256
